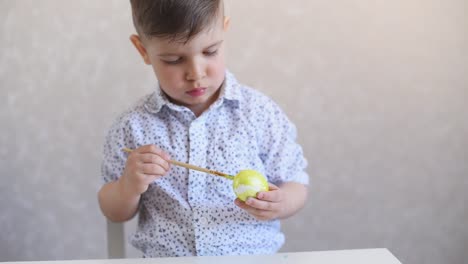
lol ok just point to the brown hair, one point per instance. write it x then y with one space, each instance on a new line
178 20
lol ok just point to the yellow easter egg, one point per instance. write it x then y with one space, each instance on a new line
247 183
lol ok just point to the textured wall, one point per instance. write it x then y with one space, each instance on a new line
378 90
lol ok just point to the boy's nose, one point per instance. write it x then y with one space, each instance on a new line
195 72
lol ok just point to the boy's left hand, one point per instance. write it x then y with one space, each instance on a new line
267 206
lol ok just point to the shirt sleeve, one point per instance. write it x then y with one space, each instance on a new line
114 158
282 156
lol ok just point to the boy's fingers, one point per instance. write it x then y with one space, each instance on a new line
271 196
261 205
272 187
147 178
254 205
154 159
153 149
152 169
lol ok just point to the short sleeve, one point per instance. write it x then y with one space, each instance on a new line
282 156
114 158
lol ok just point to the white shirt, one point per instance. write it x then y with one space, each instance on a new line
186 212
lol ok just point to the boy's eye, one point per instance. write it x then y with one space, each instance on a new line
172 61
211 52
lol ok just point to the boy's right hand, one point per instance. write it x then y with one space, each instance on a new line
144 165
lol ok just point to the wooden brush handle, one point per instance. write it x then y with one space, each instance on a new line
193 167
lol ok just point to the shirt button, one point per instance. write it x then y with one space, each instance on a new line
204 221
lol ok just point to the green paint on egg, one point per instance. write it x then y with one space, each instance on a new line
247 183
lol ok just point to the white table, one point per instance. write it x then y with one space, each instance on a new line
359 256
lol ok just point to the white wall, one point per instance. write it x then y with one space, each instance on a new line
378 90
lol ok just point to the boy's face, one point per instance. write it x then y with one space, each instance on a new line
189 73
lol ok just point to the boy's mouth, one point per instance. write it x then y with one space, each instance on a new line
199 91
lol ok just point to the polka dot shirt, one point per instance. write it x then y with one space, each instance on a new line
190 213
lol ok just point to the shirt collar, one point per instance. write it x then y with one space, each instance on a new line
230 92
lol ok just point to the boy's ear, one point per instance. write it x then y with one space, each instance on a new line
135 39
227 21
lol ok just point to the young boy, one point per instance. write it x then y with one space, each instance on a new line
200 115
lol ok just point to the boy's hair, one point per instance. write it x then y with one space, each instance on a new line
178 20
